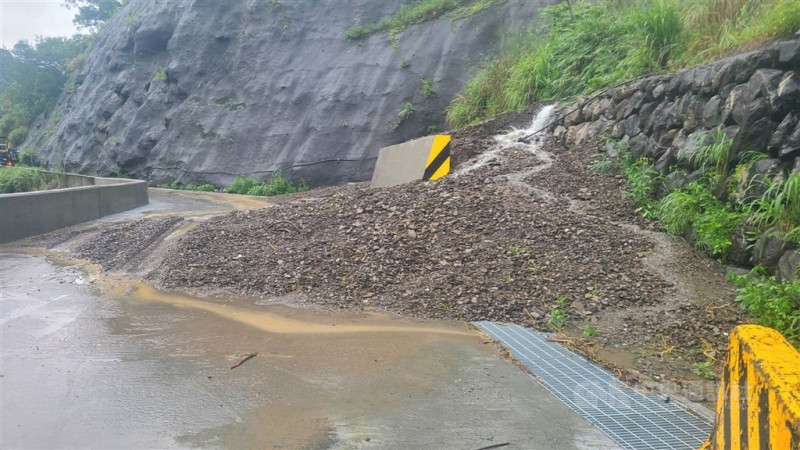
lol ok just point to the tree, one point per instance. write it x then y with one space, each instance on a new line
33 76
93 13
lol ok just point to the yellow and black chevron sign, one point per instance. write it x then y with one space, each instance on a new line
439 159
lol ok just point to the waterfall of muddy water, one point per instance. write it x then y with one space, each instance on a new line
511 141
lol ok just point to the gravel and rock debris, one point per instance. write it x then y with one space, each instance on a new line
505 242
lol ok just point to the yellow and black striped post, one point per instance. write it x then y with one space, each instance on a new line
438 164
758 405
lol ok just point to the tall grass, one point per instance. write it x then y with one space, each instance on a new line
276 185
779 207
600 43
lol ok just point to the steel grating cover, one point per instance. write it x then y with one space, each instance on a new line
634 419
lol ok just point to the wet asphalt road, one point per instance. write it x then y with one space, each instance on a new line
87 364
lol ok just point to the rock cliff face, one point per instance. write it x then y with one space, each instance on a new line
205 90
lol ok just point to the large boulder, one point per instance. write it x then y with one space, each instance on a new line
769 248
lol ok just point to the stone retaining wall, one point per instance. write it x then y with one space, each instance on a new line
753 98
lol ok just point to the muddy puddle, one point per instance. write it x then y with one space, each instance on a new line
317 378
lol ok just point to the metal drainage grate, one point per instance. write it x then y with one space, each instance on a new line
633 419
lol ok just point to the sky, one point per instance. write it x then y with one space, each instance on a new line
26 19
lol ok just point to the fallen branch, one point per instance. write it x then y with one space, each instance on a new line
495 446
244 360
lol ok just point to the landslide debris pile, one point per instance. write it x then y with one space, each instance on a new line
471 247
517 239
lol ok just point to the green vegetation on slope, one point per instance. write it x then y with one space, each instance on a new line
698 213
27 179
276 185
34 75
420 11
592 45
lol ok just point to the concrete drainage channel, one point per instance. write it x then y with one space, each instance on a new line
633 419
30 213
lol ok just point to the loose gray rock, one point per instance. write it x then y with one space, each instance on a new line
769 248
789 266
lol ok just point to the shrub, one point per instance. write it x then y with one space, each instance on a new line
695 208
643 181
19 179
28 157
276 185
427 87
207 187
774 304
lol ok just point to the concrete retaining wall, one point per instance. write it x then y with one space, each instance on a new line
30 213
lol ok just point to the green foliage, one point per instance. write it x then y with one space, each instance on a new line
779 207
160 75
558 318
661 24
714 158
695 208
405 111
774 304
276 185
417 12
19 179
643 180
589 331
600 43
704 369
131 21
718 27
93 13
601 162
28 157
18 134
32 80
189 187
427 87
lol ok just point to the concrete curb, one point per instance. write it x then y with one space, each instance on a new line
759 398
30 213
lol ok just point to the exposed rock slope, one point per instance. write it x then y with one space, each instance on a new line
206 90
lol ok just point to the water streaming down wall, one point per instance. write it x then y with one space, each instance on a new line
511 140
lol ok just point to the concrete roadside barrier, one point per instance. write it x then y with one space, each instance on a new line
30 213
426 158
758 404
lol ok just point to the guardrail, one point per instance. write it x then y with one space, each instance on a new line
758 404
30 213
